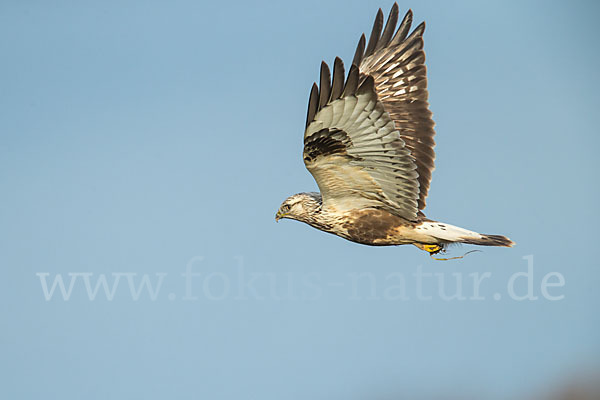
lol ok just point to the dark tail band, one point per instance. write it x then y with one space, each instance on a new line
490 240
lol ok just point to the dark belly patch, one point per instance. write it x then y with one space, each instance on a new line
374 227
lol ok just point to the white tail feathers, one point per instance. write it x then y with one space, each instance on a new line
453 234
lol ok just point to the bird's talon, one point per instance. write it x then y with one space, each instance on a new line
430 248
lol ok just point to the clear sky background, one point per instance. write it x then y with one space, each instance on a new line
141 137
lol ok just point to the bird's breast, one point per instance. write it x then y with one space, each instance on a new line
374 227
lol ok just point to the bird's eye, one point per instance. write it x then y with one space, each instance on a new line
285 208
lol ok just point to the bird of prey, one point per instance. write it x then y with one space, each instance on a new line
369 145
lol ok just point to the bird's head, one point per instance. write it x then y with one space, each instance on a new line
301 207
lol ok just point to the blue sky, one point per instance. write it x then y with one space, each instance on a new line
145 138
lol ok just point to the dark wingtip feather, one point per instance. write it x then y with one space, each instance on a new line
390 27
419 30
375 33
360 50
403 29
352 81
337 86
324 85
313 103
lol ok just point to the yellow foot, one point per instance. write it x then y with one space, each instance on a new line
430 248
434 249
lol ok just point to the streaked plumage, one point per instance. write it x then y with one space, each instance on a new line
369 145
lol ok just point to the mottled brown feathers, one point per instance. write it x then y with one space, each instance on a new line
373 227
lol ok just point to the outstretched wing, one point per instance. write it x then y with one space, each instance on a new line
397 64
353 149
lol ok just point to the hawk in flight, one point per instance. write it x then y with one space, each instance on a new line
369 145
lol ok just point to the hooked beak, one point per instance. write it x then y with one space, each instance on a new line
279 215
